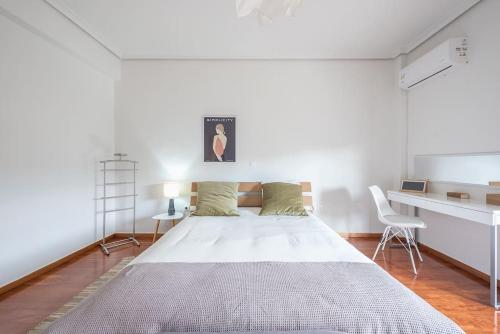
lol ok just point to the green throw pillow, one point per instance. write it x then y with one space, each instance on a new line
282 199
217 199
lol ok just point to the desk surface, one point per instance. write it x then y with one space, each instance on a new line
443 199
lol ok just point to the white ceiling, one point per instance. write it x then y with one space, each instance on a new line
209 29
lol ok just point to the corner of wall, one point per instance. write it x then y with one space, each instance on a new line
401 104
49 24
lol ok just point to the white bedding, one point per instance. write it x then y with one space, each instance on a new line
251 238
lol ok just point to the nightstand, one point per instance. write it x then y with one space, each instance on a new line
166 217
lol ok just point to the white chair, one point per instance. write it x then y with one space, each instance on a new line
397 225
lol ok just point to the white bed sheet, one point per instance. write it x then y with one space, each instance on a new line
251 238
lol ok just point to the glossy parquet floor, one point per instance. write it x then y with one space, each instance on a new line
454 292
457 294
24 307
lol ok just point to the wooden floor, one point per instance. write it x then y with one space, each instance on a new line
457 294
24 307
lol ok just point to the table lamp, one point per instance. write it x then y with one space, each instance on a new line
171 191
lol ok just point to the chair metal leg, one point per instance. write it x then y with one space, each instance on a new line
388 229
382 241
418 252
408 240
415 245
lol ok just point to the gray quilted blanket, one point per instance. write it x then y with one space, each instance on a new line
261 296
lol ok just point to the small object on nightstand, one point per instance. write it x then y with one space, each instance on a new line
166 216
493 199
457 194
171 191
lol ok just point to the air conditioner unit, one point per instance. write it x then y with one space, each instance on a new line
440 60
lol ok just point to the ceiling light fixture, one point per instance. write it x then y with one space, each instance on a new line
267 9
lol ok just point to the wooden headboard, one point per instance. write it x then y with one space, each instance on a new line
251 194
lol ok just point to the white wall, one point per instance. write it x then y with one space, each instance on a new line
56 121
340 124
459 113
335 123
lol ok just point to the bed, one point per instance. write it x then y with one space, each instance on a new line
253 274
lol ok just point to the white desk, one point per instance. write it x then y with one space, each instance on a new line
481 213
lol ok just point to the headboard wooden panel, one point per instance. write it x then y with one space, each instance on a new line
245 187
253 194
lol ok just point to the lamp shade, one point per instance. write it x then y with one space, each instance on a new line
171 189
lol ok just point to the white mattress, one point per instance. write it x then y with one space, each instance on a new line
251 238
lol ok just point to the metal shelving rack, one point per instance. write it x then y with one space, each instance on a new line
131 166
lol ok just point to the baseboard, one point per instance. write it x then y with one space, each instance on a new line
429 250
456 263
14 284
347 235
149 236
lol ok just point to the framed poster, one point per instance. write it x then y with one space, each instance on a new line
219 139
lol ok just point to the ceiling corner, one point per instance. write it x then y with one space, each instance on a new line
432 30
62 7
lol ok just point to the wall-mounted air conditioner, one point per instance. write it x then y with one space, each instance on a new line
440 60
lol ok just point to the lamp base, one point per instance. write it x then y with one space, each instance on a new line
171 208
